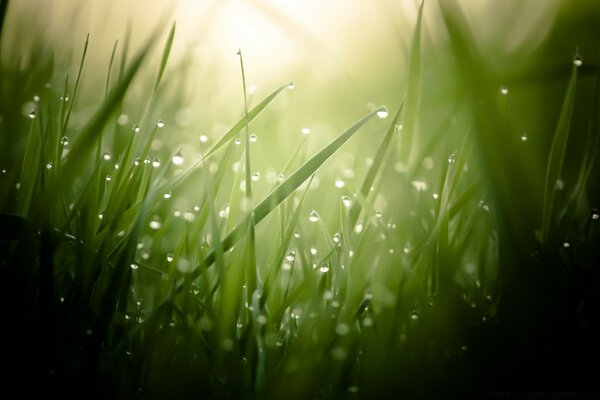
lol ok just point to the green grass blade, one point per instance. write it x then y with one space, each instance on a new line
235 129
110 64
557 153
376 166
85 48
165 56
289 186
85 142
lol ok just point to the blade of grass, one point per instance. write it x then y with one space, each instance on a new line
557 154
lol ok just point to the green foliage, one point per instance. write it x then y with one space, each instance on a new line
127 271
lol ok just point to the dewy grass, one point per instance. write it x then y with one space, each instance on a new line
131 268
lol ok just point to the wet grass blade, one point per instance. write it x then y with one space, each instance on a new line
235 129
376 166
81 149
557 154
288 187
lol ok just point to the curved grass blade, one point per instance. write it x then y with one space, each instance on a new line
375 167
557 153
165 56
286 188
78 155
235 129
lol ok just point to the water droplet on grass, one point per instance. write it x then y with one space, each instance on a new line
337 239
503 90
237 141
291 256
155 224
595 214
64 141
178 158
32 114
167 195
566 244
414 315
255 176
347 202
160 123
523 137
313 217
291 86
36 98
313 251
577 61
49 165
305 131
340 183
156 163
108 178
106 156
252 138
383 113
324 269
134 266
378 214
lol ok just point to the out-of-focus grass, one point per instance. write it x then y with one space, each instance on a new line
448 248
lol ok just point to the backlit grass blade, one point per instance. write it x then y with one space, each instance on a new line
165 56
376 166
85 142
413 97
235 129
557 153
72 100
289 186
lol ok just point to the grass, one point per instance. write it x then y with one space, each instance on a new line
460 260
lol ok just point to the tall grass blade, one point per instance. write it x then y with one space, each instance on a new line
557 154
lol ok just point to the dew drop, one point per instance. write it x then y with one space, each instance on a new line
281 178
337 239
160 123
340 183
414 315
36 98
291 256
134 266
203 138
50 165
566 244
170 257
291 86
108 178
313 217
136 128
237 141
313 251
64 141
255 176
595 214
523 137
382 113
503 90
178 158
106 156
167 195
155 224
577 61
32 114
347 201
252 138
147 160
137 161
378 214
305 131
156 162
324 269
